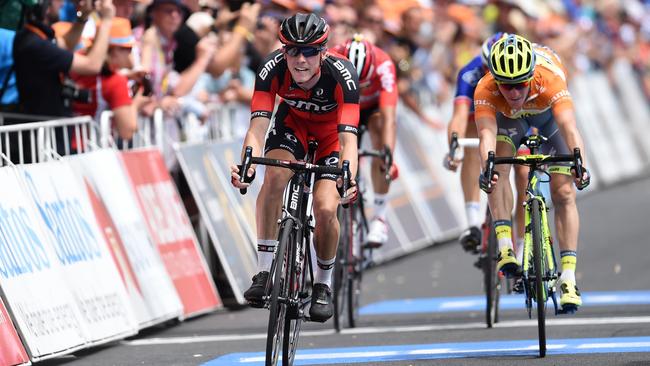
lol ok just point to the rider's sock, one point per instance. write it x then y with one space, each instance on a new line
568 259
503 229
520 250
473 213
265 251
324 271
380 206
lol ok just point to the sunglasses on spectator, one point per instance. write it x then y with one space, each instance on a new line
518 86
294 51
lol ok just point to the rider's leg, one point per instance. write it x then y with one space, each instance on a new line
269 203
501 200
521 179
469 170
326 238
378 231
567 226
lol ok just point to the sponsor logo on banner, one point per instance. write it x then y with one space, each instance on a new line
104 173
31 277
11 349
171 230
89 272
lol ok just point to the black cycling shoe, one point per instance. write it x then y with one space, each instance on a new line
255 293
471 239
321 303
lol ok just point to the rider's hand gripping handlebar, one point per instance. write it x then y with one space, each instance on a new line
580 170
243 168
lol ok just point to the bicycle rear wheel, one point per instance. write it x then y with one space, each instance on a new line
539 272
278 303
341 272
296 295
491 277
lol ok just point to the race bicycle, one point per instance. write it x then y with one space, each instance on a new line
539 273
288 289
354 254
487 250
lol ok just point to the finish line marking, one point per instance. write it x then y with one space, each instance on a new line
506 302
397 329
444 351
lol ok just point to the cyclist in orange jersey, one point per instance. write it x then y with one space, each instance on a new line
526 87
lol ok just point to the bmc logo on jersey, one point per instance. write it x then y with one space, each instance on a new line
307 106
269 65
347 76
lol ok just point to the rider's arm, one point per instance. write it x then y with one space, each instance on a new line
389 126
487 134
459 118
485 111
566 122
348 145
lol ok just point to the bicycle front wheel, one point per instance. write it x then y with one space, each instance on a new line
279 293
355 264
296 298
539 272
491 278
341 272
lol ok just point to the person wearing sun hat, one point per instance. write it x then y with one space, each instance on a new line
110 89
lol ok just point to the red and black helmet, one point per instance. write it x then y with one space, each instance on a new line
360 52
304 30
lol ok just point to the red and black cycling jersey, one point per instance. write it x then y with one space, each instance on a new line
334 98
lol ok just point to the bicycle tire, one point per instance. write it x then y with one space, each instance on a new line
293 321
355 267
539 272
341 270
278 307
491 278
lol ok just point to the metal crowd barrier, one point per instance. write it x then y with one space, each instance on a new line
40 141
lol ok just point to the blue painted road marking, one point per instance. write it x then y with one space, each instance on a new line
507 302
433 351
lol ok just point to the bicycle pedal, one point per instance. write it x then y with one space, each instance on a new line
256 304
370 245
518 286
478 264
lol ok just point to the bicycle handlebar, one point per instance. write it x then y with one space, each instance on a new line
294 165
534 159
384 155
457 143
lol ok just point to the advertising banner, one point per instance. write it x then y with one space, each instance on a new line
171 230
105 175
88 269
223 209
31 277
11 349
119 254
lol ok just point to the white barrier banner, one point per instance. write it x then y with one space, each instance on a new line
88 268
171 230
31 277
104 172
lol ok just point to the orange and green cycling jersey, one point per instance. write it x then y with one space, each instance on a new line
548 90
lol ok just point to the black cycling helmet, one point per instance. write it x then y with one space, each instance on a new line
304 30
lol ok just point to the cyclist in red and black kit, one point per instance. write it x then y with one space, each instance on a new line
319 95
378 102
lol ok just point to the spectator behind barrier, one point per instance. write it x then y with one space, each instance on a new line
110 90
39 64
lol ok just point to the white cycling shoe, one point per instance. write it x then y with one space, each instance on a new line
377 233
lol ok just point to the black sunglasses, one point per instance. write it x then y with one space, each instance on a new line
305 51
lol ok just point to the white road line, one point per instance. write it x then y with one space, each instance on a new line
397 329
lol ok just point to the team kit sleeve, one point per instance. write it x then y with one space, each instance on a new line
266 85
484 99
464 90
388 79
347 96
557 93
